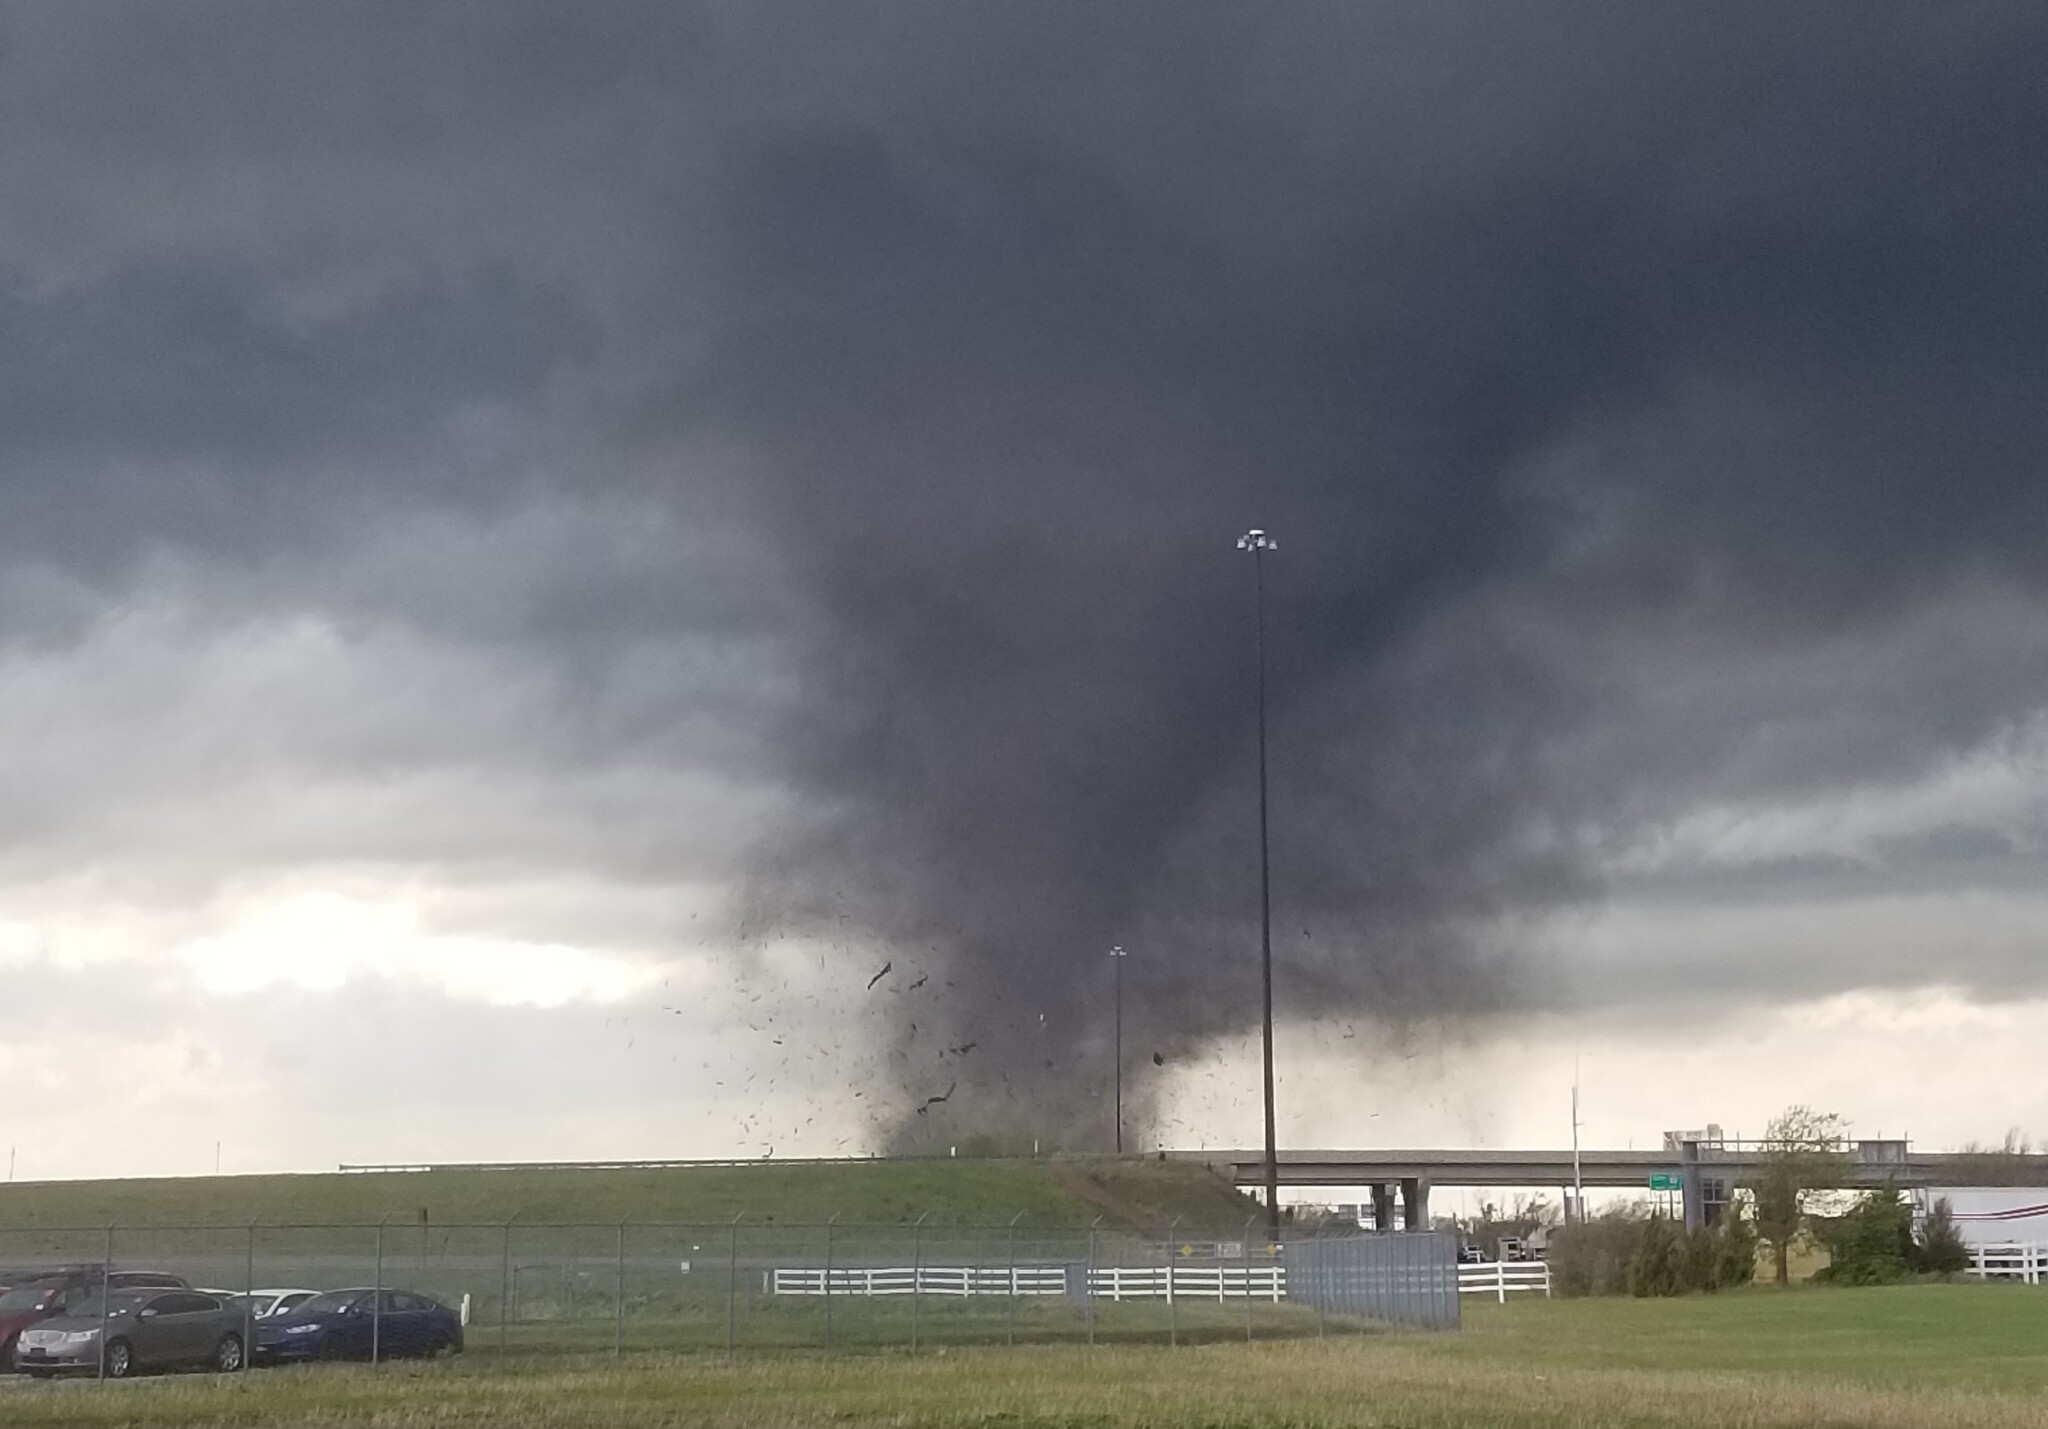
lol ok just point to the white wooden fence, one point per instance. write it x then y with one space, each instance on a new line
1109 1282
1190 1282
1152 1282
1500 1278
2024 1262
961 1280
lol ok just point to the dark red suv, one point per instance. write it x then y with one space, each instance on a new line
45 1295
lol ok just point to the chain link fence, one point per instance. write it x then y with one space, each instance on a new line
732 1287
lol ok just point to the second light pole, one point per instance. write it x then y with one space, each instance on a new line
1258 543
1118 954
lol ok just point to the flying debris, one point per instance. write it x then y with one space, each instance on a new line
880 975
930 1102
923 978
1158 1059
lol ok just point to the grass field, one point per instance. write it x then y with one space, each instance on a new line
1044 1192
1943 1356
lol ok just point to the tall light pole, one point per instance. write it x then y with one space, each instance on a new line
1578 1182
1117 953
1258 543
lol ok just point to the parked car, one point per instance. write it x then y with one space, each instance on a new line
48 1294
268 1303
131 1330
25 1304
350 1324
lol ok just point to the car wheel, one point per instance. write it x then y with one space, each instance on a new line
227 1355
120 1360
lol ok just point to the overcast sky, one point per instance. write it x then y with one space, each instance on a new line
545 546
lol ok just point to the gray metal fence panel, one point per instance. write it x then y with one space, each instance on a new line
1401 1279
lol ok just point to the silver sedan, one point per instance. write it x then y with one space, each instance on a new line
134 1330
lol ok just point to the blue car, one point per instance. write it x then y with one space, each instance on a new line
354 1324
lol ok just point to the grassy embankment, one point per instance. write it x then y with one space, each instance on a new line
681 1274
1945 1356
1130 1194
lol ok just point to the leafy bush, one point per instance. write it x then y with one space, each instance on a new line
1661 1263
1593 1256
1628 1251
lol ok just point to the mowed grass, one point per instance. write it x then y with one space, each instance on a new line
1912 1356
1041 1193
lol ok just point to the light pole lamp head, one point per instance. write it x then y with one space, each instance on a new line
1256 540
1117 951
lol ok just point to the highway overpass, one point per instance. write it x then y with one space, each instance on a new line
1705 1171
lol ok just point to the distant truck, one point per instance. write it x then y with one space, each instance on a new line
1991 1215
1510 1248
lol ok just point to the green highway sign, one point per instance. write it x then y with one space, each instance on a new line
1666 1181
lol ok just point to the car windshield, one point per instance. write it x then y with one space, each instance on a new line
330 1303
88 1307
26 1297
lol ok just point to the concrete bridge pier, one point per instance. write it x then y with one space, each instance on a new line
1414 1204
1691 1190
1382 1206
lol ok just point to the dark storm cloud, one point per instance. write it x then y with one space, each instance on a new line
1604 325
165 406
1579 355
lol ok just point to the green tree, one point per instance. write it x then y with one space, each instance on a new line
1872 1242
1734 1248
1938 1247
1803 1151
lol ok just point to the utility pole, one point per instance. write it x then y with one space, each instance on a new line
1258 543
